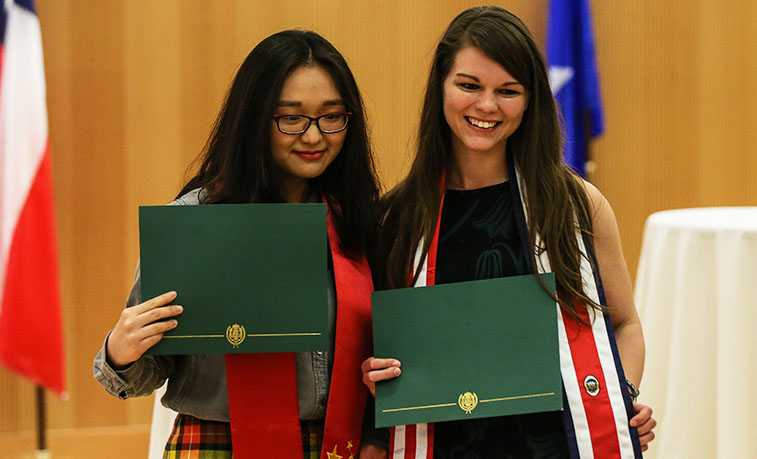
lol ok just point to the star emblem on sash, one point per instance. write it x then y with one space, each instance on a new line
333 454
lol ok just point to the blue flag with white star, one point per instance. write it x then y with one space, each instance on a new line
573 77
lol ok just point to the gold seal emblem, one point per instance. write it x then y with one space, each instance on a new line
467 402
235 334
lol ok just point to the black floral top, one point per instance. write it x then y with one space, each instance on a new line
478 239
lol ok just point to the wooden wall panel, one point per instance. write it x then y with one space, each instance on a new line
726 114
96 218
134 87
679 106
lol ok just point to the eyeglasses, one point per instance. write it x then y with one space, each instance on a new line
297 124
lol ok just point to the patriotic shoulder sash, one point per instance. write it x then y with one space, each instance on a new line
262 388
596 406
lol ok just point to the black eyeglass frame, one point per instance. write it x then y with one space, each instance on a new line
310 119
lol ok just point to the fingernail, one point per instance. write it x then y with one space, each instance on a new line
397 372
180 308
396 363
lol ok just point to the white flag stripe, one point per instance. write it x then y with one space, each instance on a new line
421 282
399 443
421 441
23 120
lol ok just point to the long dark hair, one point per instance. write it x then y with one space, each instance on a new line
554 196
236 164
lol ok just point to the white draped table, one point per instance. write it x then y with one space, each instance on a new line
162 425
696 292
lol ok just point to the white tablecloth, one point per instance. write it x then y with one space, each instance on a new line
162 425
696 291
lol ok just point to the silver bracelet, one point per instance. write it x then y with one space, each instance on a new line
632 390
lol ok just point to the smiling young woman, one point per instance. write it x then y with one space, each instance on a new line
488 196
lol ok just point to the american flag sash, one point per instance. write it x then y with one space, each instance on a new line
596 406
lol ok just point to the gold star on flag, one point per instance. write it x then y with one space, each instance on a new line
333 454
349 444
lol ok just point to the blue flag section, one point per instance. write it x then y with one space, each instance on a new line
573 77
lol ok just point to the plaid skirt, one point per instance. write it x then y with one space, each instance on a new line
193 438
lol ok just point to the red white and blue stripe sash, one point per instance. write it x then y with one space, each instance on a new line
596 406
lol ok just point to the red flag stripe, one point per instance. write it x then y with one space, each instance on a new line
410 441
30 325
430 269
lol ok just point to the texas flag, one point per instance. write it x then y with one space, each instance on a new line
31 342
573 77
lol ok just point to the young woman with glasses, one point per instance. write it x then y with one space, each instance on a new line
292 130
488 196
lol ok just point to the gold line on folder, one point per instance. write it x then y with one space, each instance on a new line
249 335
516 397
195 336
455 404
418 407
283 334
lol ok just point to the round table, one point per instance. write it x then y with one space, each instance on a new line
696 292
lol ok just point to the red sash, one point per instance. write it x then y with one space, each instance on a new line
262 388
597 406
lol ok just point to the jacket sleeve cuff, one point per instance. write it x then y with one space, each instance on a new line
119 383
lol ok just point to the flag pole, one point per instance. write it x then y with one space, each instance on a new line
42 451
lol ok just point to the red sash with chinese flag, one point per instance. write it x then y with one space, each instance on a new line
262 388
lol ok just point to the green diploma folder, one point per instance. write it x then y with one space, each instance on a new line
468 350
251 277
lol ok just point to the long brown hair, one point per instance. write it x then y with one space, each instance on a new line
555 199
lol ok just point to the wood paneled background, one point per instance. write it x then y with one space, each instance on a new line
134 86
